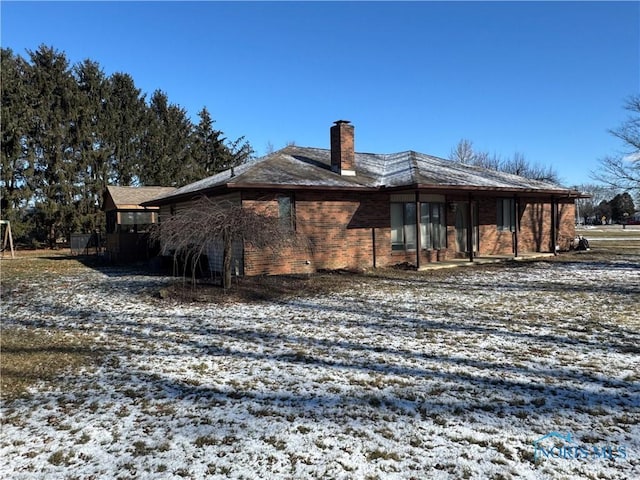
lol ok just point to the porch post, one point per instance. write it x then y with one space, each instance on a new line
554 230
418 246
470 230
516 224
373 243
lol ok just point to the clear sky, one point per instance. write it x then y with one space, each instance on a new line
546 79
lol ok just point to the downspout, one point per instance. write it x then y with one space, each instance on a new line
470 230
418 234
516 225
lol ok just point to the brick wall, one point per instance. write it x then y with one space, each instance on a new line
338 231
535 227
352 231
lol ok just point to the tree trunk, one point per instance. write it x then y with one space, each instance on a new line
226 262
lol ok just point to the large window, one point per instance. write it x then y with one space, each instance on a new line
433 230
506 208
130 222
403 226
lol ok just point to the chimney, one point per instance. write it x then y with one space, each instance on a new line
343 157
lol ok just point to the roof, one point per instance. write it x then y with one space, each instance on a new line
133 197
303 168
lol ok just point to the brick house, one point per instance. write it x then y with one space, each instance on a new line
363 210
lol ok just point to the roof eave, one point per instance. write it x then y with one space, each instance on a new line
186 196
560 192
278 186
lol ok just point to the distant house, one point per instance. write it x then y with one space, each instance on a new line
362 210
128 221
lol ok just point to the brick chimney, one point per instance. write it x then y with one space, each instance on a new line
343 157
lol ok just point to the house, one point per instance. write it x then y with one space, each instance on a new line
363 210
128 221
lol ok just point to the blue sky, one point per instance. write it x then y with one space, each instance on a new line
546 79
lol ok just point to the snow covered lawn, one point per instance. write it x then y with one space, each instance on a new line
429 375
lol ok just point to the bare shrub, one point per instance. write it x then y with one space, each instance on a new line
188 234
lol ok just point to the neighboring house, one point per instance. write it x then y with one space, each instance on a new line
362 210
128 221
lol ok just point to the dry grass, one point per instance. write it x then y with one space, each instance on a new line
256 289
34 356
43 263
613 239
30 356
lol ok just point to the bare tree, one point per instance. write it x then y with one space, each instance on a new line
518 164
485 160
190 233
620 172
623 171
629 131
463 153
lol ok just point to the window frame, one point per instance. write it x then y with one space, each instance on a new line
506 214
433 235
405 225
287 218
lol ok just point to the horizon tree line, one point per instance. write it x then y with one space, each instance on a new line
69 130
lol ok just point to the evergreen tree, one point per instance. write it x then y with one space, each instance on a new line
166 158
208 149
69 131
54 92
622 207
15 166
92 168
125 117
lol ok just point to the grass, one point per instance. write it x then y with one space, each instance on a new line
31 356
612 239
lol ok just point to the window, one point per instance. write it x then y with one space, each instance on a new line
433 230
403 226
135 222
286 212
506 208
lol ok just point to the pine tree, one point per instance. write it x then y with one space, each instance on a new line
165 145
69 131
125 115
92 168
622 207
55 101
208 149
15 166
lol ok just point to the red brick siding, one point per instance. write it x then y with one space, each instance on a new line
338 228
567 227
535 227
342 230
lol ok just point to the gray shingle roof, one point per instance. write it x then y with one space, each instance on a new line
294 167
